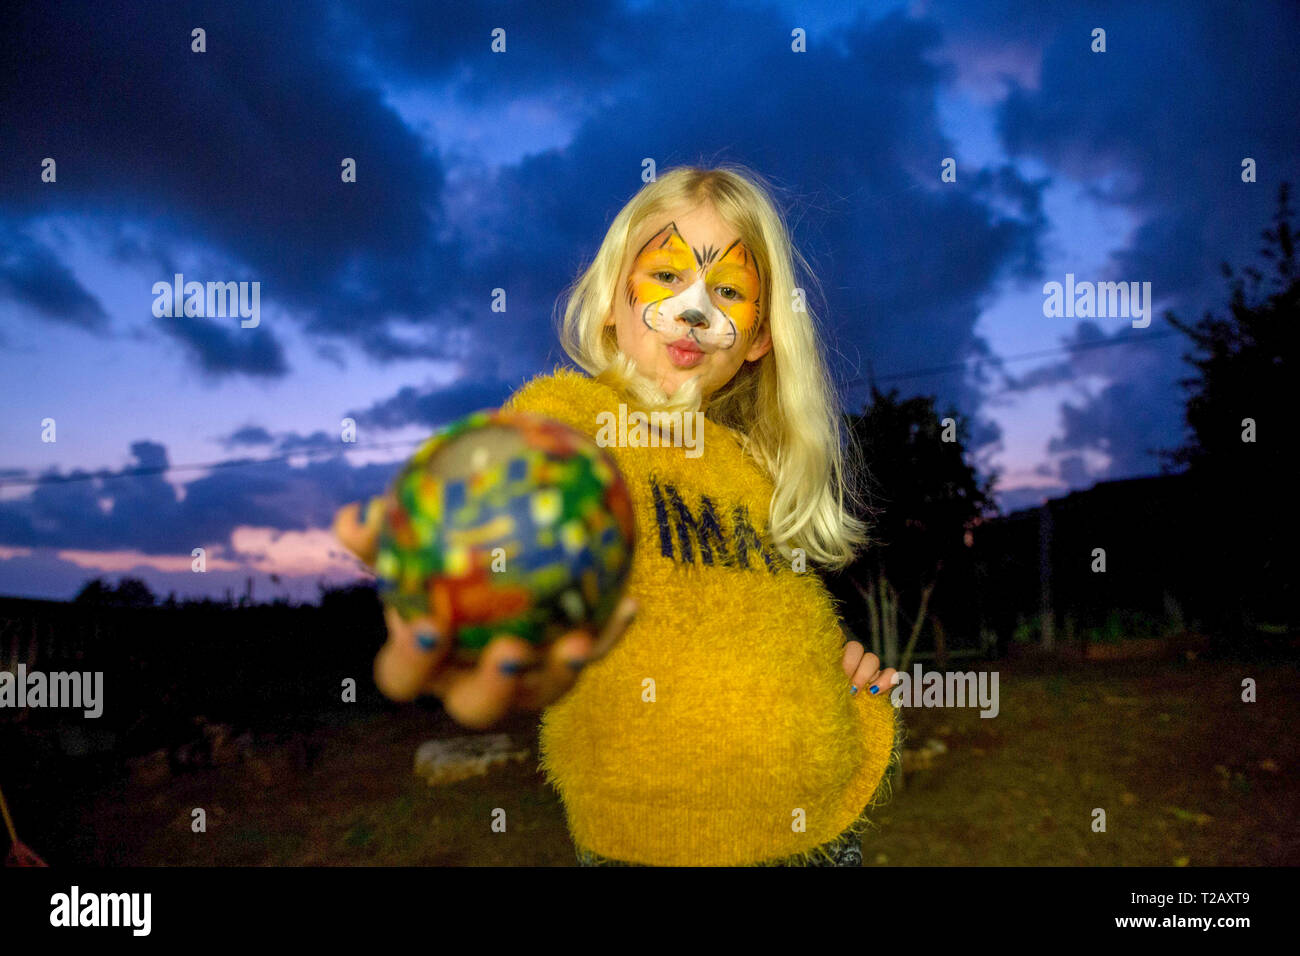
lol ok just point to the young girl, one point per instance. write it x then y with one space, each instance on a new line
718 726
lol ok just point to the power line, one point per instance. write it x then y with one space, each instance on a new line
958 366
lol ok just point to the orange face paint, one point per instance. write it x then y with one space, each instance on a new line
662 253
736 273
669 276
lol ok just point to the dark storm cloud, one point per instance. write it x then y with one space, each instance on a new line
433 406
31 274
237 149
248 435
1123 421
316 441
223 348
1054 374
421 41
1088 357
284 442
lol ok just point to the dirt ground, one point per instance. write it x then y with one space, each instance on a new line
1186 773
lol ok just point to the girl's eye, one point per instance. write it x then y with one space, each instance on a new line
660 276
723 290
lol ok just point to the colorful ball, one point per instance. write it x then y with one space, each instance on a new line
506 523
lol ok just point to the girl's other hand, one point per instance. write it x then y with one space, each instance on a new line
509 675
864 670
361 537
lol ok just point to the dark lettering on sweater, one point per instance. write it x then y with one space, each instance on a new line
685 531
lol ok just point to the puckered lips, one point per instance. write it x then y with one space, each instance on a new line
685 353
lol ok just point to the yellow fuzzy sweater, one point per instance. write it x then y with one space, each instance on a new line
720 730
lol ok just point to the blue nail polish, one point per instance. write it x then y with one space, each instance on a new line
875 689
426 639
511 668
853 689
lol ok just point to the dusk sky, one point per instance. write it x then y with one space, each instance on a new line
479 170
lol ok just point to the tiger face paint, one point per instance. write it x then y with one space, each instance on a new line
709 295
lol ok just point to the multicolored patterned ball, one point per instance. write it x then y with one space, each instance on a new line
506 523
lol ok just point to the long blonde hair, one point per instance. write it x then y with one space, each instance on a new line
782 406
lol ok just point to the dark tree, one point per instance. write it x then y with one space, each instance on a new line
130 592
1240 443
924 496
96 593
924 501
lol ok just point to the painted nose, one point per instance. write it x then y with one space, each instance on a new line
694 318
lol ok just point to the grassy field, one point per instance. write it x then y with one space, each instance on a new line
1186 773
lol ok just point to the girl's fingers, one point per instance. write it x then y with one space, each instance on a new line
853 654
509 675
555 675
347 527
866 672
358 535
618 623
417 643
564 662
411 656
883 683
480 697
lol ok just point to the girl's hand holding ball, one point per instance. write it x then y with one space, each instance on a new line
501 551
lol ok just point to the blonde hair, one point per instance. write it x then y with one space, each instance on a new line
782 406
